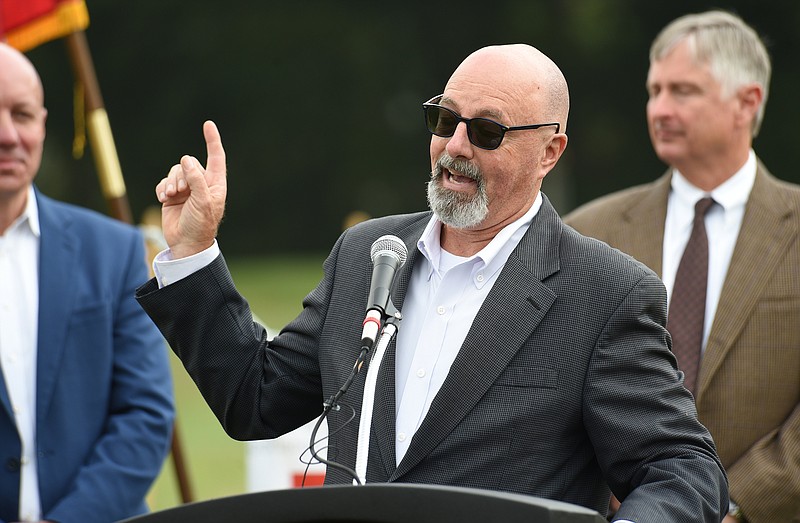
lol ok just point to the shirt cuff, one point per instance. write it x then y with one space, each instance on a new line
168 271
735 512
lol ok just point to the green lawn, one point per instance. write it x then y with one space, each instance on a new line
275 287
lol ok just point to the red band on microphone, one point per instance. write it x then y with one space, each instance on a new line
372 319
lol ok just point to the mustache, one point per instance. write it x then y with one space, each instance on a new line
459 166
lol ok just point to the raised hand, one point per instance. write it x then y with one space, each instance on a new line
193 198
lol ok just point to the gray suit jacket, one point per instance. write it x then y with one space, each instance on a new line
749 384
565 380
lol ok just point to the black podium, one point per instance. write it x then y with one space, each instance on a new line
379 503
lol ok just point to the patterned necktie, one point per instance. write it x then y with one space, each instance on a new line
687 307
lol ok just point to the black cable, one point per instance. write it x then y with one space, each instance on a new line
314 452
333 404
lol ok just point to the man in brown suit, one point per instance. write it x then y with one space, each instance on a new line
708 83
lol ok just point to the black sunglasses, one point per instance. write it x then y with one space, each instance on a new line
482 132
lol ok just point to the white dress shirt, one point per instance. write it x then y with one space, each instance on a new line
19 322
168 270
443 297
723 222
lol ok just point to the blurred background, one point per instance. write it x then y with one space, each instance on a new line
319 102
319 106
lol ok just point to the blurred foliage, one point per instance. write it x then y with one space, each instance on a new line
319 102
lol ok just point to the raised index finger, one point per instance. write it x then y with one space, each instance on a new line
215 165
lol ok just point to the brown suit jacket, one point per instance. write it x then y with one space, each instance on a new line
749 384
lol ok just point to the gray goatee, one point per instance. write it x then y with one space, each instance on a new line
453 208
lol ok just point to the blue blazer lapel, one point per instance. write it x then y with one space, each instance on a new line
514 307
58 256
5 401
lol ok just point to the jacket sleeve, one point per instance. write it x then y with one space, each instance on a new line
661 462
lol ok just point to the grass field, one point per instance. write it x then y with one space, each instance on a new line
215 463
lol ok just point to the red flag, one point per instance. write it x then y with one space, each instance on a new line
25 24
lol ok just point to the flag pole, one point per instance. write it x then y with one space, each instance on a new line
112 184
99 129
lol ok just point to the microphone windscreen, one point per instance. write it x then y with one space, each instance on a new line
391 245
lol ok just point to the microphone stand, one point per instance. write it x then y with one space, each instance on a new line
390 319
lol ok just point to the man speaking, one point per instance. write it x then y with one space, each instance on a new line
530 359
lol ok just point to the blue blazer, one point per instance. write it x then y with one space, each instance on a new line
104 408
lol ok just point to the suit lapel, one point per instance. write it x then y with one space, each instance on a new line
383 418
642 235
57 266
514 307
5 401
765 234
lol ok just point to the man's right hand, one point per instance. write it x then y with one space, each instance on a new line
193 198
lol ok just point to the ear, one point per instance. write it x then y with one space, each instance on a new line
750 98
553 151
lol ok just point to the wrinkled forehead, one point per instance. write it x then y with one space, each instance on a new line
495 87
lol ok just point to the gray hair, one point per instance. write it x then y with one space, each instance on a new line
734 51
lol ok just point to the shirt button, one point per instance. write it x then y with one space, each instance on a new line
479 277
421 373
401 436
440 309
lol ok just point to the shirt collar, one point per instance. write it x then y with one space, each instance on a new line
732 193
430 246
29 216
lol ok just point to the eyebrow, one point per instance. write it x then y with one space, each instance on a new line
484 113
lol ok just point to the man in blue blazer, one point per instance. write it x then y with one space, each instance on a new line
86 406
529 358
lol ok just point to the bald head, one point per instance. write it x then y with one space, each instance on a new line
519 72
14 63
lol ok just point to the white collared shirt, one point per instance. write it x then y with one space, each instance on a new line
723 222
444 295
19 323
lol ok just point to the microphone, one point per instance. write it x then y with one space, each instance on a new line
388 254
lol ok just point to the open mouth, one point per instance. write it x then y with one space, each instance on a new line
457 180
